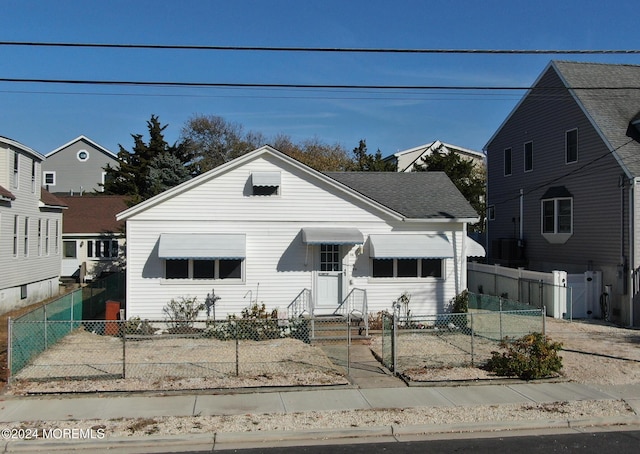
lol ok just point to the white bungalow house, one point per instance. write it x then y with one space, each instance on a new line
265 228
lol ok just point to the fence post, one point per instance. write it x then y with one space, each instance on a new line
237 349
124 348
472 340
349 343
394 343
544 322
9 347
46 336
500 315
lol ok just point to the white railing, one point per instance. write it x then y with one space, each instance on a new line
355 306
301 305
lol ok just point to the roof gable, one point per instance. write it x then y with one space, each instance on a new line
82 138
608 95
369 198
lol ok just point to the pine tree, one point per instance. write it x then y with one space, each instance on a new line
132 176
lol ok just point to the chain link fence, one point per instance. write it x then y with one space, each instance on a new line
154 352
450 340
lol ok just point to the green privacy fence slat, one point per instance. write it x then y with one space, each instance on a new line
86 303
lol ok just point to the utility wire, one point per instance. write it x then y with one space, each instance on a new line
296 86
326 49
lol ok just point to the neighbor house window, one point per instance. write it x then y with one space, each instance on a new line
56 238
197 269
16 169
69 249
571 146
407 268
507 162
39 236
33 176
528 156
102 248
557 219
15 236
49 178
26 237
46 238
83 155
491 212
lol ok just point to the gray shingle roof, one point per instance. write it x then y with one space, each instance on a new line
611 110
418 195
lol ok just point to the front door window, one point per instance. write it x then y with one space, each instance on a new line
330 257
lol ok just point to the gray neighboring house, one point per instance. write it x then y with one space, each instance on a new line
30 229
77 167
563 169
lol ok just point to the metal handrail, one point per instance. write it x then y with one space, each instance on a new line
355 304
301 305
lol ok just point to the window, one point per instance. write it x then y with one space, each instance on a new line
491 212
15 236
46 238
571 146
39 237
557 219
407 268
33 175
69 249
26 236
265 183
507 162
528 156
203 269
23 292
83 155
49 178
16 169
330 257
102 248
104 177
57 237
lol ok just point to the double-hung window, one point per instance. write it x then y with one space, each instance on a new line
408 268
507 162
528 156
571 146
557 219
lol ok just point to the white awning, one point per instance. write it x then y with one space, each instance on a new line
202 246
410 246
269 179
331 235
475 249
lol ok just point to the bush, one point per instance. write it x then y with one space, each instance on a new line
182 312
529 357
459 304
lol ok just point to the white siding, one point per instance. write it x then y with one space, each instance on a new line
37 269
277 265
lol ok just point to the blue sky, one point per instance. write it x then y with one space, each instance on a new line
44 116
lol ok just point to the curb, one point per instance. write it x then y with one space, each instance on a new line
379 434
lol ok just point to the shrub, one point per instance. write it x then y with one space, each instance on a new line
182 312
459 304
529 357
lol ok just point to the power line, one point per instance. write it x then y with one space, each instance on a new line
297 86
326 49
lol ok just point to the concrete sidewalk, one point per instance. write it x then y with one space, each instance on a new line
373 388
16 410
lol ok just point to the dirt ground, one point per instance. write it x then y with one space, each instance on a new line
594 352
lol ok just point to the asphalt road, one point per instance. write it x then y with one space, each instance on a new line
619 442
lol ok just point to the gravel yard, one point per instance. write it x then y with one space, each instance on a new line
594 353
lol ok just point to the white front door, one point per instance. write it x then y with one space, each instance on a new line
329 279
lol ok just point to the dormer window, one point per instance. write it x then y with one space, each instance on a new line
265 183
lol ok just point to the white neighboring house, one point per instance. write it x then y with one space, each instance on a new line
406 159
265 227
30 229
92 240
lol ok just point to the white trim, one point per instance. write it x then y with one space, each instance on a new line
44 177
86 139
242 160
85 159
